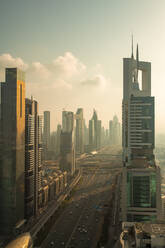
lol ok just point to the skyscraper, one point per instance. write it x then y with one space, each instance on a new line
46 134
67 148
12 150
141 176
33 149
95 132
114 131
58 135
67 121
79 131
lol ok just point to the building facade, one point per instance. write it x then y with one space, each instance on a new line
12 151
46 133
141 199
67 145
79 131
94 132
33 154
114 131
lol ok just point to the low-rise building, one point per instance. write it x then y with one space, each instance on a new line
143 235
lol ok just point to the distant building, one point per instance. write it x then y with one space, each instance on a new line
12 150
58 135
114 131
52 149
67 121
86 134
46 133
79 131
94 132
67 152
33 150
67 147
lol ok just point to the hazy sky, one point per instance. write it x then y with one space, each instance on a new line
72 51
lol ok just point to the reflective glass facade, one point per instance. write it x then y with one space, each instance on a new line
141 218
141 190
12 151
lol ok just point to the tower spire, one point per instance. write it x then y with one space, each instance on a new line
132 56
137 56
137 59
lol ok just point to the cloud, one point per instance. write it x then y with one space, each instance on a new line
98 80
68 66
64 72
6 60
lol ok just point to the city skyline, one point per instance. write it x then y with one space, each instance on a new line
57 71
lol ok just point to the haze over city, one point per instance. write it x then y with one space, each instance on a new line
71 51
82 126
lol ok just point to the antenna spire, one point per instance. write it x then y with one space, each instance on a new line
137 59
132 56
137 56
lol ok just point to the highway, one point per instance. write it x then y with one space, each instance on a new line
79 225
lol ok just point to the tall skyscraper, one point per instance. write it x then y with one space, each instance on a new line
95 132
46 134
79 131
58 135
33 149
67 152
12 150
141 176
67 147
114 131
67 121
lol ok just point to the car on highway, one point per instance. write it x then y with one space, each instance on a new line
52 243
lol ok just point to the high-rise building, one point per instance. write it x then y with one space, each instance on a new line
95 132
141 199
12 150
58 135
33 149
114 131
86 134
67 152
79 131
67 148
46 133
67 121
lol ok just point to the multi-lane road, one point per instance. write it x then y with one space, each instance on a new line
79 224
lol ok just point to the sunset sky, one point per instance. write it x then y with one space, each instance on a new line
72 51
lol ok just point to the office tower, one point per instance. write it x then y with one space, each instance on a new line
52 149
67 152
141 176
98 134
86 134
67 121
12 151
114 131
95 131
46 133
91 133
79 131
67 148
104 137
58 135
33 149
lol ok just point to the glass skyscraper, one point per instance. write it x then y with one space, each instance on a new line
12 150
140 199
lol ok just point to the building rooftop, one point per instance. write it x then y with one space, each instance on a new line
149 228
